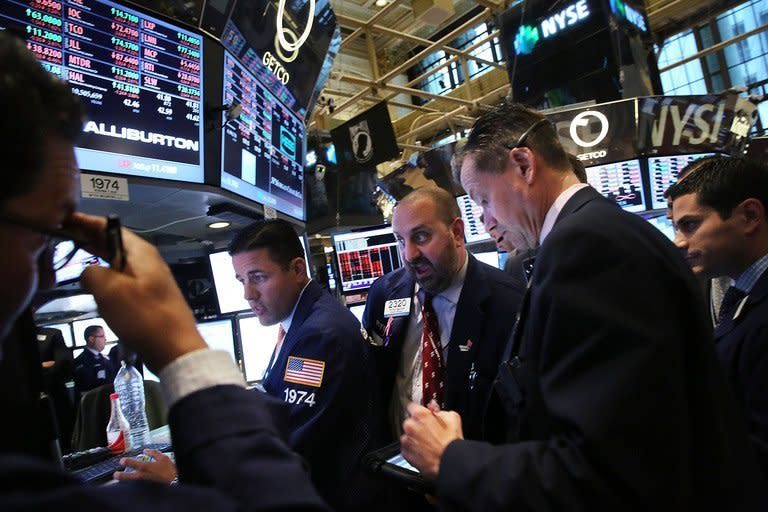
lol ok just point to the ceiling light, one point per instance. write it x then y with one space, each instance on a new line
381 3
219 225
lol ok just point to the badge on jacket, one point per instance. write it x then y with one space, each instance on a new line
397 307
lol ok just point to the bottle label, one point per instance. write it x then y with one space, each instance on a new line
116 441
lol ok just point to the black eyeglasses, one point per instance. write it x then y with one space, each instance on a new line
527 133
62 253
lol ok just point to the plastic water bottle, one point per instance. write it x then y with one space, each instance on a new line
129 385
118 431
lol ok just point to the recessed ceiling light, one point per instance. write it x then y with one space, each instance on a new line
219 225
381 3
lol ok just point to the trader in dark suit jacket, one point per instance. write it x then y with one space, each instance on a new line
475 304
611 396
228 441
92 368
722 229
321 367
57 364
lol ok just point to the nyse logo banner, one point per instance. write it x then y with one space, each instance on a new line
694 124
600 133
528 36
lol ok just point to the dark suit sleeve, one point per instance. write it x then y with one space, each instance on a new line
596 315
755 405
230 456
62 357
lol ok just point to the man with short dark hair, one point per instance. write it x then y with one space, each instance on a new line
92 368
610 395
228 444
460 307
719 211
320 365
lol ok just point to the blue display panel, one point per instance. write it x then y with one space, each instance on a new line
263 149
140 79
663 172
620 182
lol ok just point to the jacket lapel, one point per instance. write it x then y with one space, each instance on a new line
758 294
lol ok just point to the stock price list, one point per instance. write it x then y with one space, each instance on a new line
135 74
621 182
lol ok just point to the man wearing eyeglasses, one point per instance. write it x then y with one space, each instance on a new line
610 396
92 368
229 447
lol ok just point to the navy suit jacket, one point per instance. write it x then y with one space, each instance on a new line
742 344
230 454
87 369
330 421
614 398
485 313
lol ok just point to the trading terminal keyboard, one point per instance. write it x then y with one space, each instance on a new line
103 469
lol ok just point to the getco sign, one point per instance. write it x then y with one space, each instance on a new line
286 50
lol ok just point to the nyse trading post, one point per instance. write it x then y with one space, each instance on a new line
263 149
139 78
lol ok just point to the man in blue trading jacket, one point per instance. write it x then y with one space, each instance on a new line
320 365
474 306
610 395
719 210
228 441
92 368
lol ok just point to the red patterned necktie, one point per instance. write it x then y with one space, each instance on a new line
280 338
432 370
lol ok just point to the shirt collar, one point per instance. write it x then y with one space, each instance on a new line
93 351
452 293
286 322
746 281
557 206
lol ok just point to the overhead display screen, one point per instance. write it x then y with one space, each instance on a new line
139 78
474 229
663 171
364 256
621 182
263 149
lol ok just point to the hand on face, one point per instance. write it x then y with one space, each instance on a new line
426 434
142 305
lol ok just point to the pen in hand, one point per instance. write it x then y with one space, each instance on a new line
115 250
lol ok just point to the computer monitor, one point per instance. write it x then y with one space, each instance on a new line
330 154
663 224
219 335
663 172
621 182
358 310
263 148
364 256
66 332
229 291
139 78
257 342
75 266
78 332
490 257
474 230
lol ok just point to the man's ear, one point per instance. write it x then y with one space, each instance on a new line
299 265
751 212
457 229
524 163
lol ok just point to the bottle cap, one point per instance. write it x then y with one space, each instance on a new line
113 396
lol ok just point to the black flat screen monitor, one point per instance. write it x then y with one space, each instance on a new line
263 148
621 182
66 332
474 230
139 78
364 256
219 335
256 343
663 172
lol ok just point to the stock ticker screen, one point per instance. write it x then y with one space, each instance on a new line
621 182
263 149
663 172
139 78
364 256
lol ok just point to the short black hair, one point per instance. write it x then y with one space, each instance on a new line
721 183
276 235
685 171
36 105
495 131
91 331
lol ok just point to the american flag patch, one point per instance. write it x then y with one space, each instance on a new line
301 370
